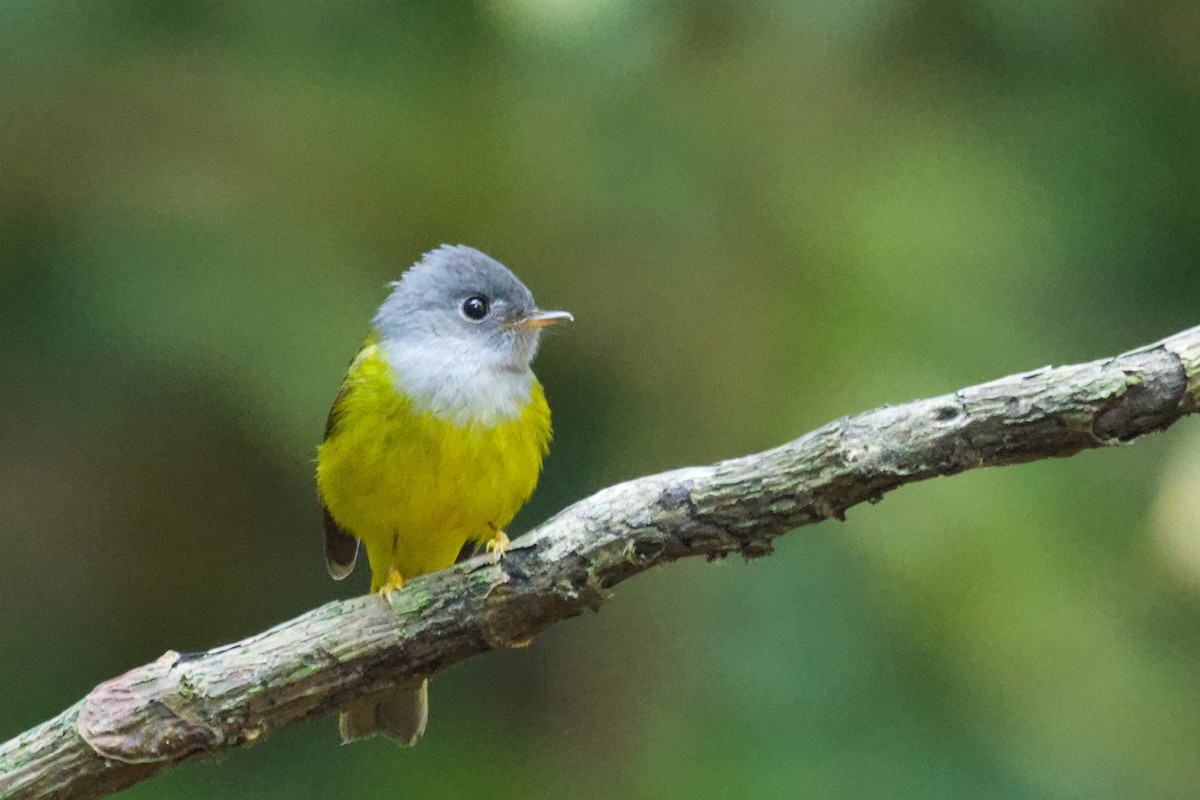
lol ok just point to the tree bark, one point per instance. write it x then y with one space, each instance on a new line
189 706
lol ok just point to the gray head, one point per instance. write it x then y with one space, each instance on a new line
459 328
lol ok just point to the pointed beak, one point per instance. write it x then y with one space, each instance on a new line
542 319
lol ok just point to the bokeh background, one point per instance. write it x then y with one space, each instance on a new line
764 215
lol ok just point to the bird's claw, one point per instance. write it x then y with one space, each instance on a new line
498 546
393 583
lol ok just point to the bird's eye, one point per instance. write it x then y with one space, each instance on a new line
475 307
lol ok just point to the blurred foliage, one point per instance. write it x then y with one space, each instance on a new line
764 215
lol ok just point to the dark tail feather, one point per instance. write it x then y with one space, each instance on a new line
400 713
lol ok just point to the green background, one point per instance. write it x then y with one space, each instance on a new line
764 215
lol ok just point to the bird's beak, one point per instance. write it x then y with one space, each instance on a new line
542 319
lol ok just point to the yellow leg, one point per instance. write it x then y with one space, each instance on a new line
497 546
393 583
385 578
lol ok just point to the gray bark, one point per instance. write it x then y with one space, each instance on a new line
180 708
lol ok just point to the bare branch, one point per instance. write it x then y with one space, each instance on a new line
186 707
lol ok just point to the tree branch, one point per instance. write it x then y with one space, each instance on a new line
184 707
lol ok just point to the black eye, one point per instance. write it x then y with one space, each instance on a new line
476 307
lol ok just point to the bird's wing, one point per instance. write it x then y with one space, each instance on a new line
341 549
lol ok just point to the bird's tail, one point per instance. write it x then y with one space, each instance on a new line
400 713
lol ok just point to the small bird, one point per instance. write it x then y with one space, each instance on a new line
435 440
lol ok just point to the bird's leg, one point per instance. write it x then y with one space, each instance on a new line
497 545
393 583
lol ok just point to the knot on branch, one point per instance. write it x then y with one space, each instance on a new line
514 612
130 718
1150 401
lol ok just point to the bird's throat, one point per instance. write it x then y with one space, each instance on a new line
458 384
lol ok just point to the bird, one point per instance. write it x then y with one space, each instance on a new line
435 440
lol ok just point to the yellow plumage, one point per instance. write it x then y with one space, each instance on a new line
415 488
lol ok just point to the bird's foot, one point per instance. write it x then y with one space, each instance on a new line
498 546
393 583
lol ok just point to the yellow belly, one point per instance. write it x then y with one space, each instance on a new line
415 488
